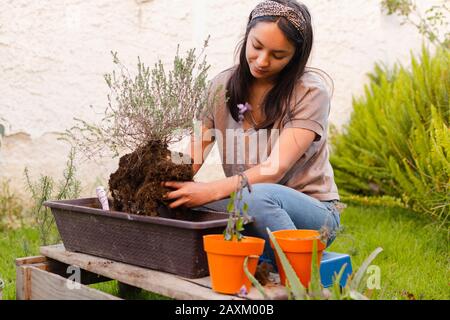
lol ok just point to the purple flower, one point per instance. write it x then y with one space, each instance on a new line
242 109
243 291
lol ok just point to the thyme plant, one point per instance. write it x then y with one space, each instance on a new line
45 189
152 105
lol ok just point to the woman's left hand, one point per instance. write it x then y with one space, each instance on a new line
189 194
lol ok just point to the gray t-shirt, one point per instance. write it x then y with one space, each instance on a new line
312 174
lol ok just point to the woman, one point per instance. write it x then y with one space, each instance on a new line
271 90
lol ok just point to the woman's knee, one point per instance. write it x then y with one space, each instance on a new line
261 193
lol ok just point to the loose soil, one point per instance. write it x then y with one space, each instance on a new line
136 185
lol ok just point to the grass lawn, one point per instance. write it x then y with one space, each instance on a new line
414 263
415 258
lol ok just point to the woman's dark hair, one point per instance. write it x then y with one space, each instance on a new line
239 83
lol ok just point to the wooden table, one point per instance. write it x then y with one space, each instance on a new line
45 277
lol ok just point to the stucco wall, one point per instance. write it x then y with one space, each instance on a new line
53 55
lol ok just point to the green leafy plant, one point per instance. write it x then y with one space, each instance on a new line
315 291
10 208
432 24
238 211
43 190
152 105
397 143
385 201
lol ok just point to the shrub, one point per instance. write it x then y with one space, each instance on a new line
10 208
148 105
397 142
43 190
432 23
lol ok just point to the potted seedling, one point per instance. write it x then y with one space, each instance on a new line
298 246
314 290
226 252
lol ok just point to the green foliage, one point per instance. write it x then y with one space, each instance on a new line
384 201
397 142
10 208
152 105
238 211
414 263
43 190
433 25
315 290
11 248
293 283
253 279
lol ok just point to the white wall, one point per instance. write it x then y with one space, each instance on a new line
53 55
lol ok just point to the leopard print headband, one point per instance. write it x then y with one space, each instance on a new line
272 8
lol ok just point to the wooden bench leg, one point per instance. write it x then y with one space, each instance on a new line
43 278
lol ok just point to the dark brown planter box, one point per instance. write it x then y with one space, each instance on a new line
165 244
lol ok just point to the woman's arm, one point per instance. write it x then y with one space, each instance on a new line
290 146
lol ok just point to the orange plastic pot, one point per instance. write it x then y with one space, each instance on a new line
297 246
226 261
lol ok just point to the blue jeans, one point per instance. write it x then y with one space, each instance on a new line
280 208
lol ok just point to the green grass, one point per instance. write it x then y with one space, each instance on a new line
25 242
415 259
15 244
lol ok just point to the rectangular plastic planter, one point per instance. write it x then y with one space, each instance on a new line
169 245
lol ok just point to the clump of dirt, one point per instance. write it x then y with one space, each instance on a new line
263 271
136 185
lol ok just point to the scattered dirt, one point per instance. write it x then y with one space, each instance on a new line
263 273
408 295
136 185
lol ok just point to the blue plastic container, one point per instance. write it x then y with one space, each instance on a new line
331 264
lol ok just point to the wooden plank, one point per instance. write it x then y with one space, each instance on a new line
23 275
150 280
61 269
273 290
30 260
22 283
163 283
43 285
